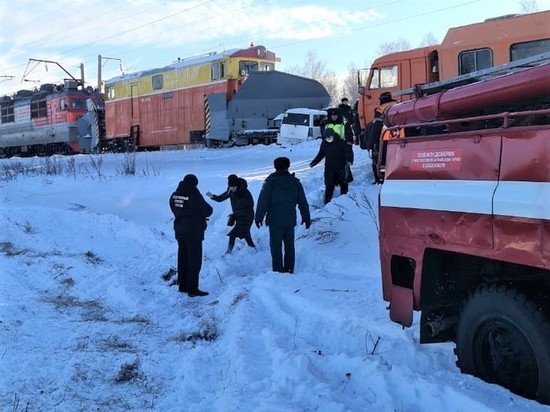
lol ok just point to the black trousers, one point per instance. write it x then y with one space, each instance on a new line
336 178
282 238
189 264
231 245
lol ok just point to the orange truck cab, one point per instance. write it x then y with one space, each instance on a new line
465 49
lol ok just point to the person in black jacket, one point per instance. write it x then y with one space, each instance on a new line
336 154
277 202
191 212
345 110
242 206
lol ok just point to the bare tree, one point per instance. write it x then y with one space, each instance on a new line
529 6
428 40
393 46
330 82
315 69
312 67
349 84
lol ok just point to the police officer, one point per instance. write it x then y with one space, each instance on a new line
190 215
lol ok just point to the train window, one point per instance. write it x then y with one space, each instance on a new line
39 109
157 82
78 104
247 67
63 104
529 48
110 93
266 67
7 115
215 69
474 60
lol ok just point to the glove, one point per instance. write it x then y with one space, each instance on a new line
307 223
311 164
210 195
258 224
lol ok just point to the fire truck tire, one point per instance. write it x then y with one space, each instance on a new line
503 338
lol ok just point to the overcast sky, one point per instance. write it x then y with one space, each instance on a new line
144 34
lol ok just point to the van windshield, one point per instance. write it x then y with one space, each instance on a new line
297 119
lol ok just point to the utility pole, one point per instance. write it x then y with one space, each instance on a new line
100 65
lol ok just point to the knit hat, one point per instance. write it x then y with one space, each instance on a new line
329 132
281 163
191 180
232 180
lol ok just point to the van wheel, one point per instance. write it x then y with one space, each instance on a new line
504 338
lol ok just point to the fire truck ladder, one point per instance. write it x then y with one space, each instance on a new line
435 87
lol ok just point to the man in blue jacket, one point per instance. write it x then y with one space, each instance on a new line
277 202
190 215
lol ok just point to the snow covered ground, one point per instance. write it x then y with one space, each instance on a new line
88 320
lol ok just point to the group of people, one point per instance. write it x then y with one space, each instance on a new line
281 193
279 197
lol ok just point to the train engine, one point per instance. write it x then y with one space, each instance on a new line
44 121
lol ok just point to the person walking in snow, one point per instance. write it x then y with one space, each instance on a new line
346 112
242 207
336 154
280 194
191 213
336 122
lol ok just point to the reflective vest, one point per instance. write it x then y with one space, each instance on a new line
387 134
338 128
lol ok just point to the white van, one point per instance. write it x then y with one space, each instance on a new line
299 125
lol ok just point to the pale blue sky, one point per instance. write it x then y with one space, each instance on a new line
146 34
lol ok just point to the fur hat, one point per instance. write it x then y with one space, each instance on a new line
281 163
191 180
232 180
386 98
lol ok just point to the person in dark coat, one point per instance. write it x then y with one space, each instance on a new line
356 126
337 122
372 143
336 154
277 202
242 207
346 113
191 213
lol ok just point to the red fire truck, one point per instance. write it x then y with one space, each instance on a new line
465 225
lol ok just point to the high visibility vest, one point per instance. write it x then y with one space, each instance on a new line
387 134
338 128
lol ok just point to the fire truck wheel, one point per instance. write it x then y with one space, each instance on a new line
503 338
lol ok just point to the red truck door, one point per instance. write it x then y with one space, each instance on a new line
438 193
